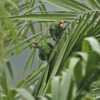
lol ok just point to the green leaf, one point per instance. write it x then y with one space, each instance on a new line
83 55
33 76
25 94
11 2
37 87
8 21
28 60
93 4
67 79
78 73
20 83
46 17
10 69
91 41
56 88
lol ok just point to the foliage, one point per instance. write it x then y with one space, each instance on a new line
74 62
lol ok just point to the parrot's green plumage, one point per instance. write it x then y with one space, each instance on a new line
44 49
56 29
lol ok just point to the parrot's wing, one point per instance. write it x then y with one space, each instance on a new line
51 28
41 56
50 45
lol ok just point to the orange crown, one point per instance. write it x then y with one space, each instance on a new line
62 21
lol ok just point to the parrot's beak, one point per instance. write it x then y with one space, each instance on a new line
34 45
61 25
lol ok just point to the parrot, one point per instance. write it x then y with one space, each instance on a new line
44 49
56 29
88 97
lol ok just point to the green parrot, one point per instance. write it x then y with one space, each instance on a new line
88 97
56 29
44 49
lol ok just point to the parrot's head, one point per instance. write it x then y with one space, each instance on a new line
61 23
37 44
